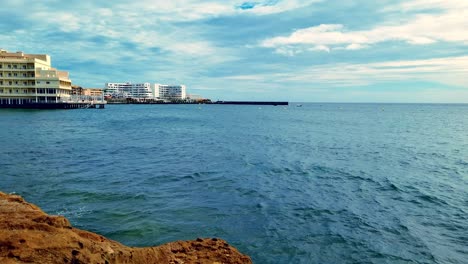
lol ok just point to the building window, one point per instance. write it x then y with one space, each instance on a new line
24 75
15 66
47 82
24 66
25 91
9 74
15 74
38 82
25 83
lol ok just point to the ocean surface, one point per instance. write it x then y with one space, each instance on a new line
321 183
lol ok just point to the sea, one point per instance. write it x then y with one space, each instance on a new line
304 183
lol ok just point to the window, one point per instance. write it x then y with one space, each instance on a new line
15 66
47 82
24 75
15 74
25 91
9 74
24 66
38 82
25 83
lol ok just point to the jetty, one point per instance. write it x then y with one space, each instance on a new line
251 103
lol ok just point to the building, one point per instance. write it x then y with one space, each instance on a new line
170 92
87 93
30 78
77 90
128 90
93 92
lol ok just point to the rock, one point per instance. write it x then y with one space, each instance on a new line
28 235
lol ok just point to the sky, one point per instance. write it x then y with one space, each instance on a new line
298 51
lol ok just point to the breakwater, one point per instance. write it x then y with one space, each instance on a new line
125 101
252 102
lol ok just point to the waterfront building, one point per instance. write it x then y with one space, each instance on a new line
170 92
87 93
77 90
30 78
128 90
92 92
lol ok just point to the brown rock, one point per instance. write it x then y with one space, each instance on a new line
28 235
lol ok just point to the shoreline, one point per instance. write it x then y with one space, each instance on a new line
27 234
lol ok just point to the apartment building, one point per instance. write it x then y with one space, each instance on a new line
129 90
170 92
30 78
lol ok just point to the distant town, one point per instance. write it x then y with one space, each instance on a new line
30 81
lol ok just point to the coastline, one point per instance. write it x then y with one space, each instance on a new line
27 234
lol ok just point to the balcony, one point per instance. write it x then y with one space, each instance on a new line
17 77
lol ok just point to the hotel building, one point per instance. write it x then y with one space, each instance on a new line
129 90
170 92
30 78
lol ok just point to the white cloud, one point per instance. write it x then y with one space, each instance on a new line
422 5
451 25
282 6
355 46
188 10
447 71
321 47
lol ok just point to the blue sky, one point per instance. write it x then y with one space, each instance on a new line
310 50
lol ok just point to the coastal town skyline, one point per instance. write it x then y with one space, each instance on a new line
318 51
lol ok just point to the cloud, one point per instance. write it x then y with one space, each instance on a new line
425 5
451 25
272 7
447 71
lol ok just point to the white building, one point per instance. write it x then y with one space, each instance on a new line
170 92
129 90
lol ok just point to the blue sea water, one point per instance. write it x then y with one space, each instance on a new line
322 183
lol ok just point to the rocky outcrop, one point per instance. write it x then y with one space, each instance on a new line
28 235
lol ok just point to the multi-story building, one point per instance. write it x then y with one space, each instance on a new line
92 92
129 90
30 78
170 92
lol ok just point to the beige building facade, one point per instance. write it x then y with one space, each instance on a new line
93 92
30 78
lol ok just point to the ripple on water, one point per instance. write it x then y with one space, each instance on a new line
321 183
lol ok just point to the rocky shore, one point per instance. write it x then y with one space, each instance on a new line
28 235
